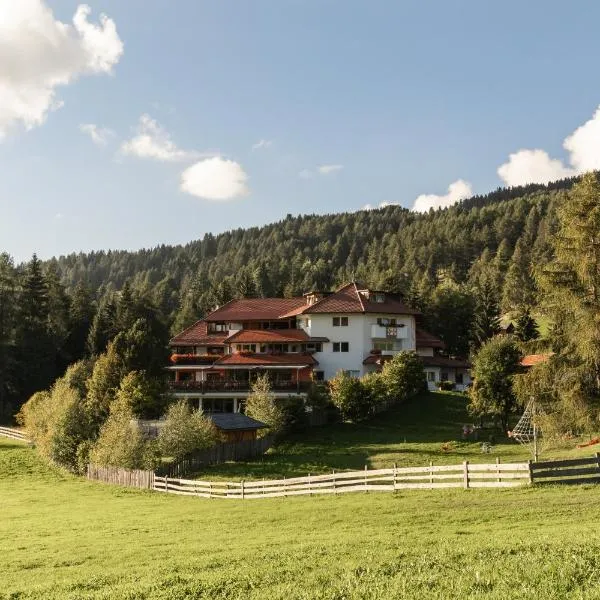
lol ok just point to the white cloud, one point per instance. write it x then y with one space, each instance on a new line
380 205
459 190
327 169
154 142
98 135
262 144
215 179
536 166
39 53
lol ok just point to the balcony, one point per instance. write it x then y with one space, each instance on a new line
207 387
395 332
194 359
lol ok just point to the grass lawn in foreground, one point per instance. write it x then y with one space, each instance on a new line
66 538
427 429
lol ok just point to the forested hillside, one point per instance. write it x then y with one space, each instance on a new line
461 266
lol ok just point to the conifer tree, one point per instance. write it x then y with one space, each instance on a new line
486 321
526 328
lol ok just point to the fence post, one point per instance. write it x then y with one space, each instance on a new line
395 475
166 483
530 465
598 460
284 492
334 490
498 469
366 480
309 486
466 474
263 486
431 473
243 491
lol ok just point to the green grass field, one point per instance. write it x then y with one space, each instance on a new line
427 429
66 538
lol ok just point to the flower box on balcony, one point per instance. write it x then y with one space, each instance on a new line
194 359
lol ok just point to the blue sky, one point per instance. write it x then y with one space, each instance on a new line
356 103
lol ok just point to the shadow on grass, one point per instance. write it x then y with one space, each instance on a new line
428 422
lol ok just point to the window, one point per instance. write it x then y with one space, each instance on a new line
459 378
383 345
340 321
341 346
319 375
293 348
353 373
217 327
336 321
430 375
380 298
245 347
314 347
445 377
386 322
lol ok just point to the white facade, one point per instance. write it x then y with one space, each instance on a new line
361 334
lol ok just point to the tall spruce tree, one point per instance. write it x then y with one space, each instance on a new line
8 311
36 354
486 320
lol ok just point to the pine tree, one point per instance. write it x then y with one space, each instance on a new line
8 310
36 356
519 285
486 322
81 316
526 328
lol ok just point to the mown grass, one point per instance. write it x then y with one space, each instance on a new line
427 429
66 538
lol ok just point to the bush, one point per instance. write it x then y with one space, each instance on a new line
185 431
349 396
262 406
403 377
446 386
374 390
120 443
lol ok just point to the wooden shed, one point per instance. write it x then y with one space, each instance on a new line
236 427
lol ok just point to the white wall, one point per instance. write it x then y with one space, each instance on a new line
358 334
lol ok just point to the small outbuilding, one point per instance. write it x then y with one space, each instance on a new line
236 427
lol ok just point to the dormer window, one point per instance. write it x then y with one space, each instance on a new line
378 297
217 327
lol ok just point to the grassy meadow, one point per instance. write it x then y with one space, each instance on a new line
66 538
62 537
427 429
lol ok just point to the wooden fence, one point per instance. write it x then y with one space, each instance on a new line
125 477
572 471
463 475
13 434
219 453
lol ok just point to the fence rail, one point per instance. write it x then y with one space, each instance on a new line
573 471
13 434
463 475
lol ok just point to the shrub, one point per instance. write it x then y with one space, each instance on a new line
374 390
120 443
403 377
185 431
262 406
348 395
446 386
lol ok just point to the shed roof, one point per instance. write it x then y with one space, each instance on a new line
235 422
197 334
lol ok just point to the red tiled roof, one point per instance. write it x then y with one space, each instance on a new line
197 334
304 360
425 339
535 359
257 309
443 361
348 299
268 336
